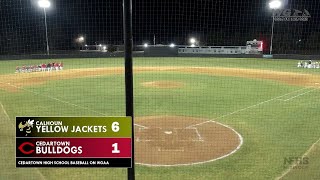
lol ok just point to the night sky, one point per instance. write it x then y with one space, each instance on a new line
212 22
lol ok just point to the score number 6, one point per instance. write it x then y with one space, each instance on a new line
115 127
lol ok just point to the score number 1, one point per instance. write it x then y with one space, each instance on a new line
115 128
115 148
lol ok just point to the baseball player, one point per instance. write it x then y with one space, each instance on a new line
48 67
17 69
61 65
56 66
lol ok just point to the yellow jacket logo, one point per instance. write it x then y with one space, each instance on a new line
26 126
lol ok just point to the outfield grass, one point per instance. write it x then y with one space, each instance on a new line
273 129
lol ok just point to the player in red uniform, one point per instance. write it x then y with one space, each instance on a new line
56 66
43 67
61 66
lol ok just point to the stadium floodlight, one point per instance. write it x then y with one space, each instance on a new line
193 40
274 4
100 45
172 45
45 4
81 39
145 45
86 45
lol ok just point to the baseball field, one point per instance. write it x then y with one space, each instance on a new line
195 118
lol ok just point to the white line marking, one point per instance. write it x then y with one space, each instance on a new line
141 127
297 91
6 114
295 164
197 132
202 162
240 110
148 140
170 150
138 137
66 102
199 135
12 123
300 95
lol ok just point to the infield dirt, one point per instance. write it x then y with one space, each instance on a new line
163 84
173 141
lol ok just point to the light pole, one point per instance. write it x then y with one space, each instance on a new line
45 4
275 4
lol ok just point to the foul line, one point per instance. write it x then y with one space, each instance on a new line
66 102
296 163
300 95
6 114
280 99
249 107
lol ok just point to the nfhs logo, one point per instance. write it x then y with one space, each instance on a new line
26 126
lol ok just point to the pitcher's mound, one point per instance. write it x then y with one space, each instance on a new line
175 141
163 84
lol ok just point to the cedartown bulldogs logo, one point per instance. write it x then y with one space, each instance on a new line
26 145
26 126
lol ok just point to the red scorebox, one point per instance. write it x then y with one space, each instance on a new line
74 147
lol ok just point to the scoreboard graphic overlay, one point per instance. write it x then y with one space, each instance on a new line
73 142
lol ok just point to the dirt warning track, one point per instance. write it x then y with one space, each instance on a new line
9 81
